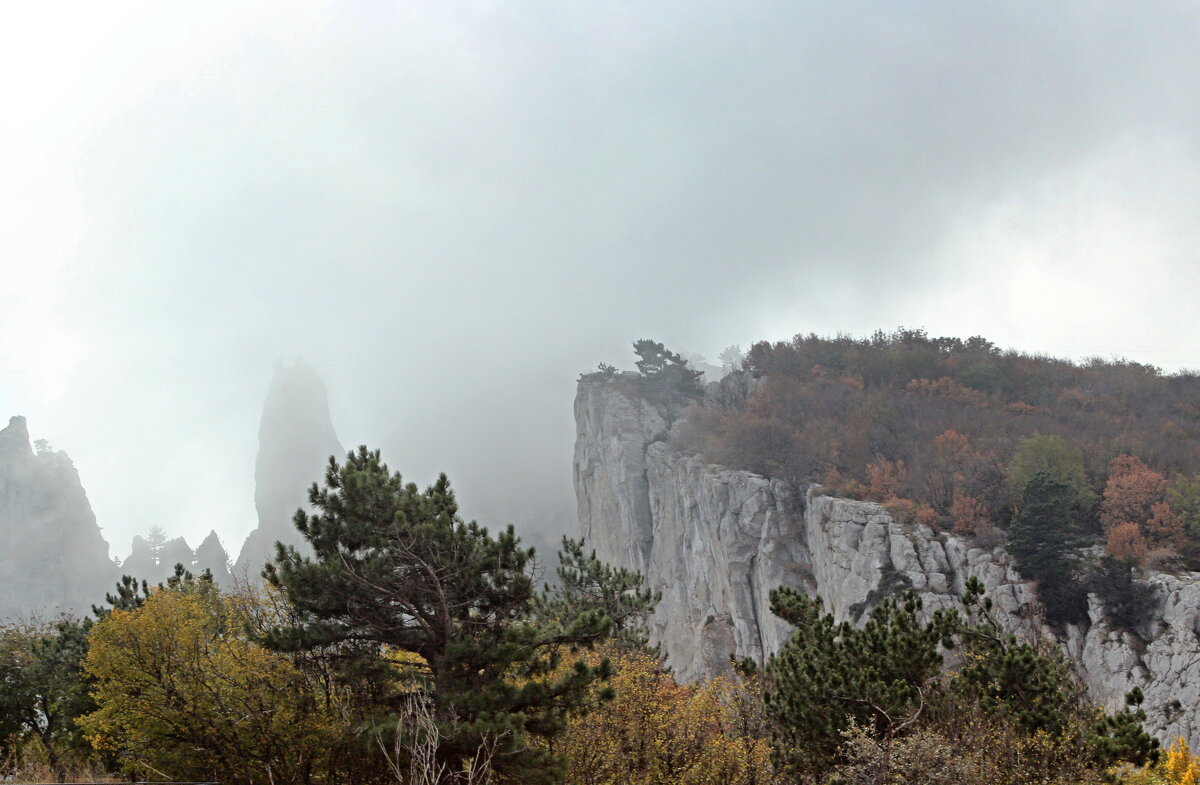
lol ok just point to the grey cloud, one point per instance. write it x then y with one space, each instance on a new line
451 210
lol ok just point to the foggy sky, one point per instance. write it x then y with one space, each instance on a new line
452 209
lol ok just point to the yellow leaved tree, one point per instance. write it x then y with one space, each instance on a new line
659 732
183 693
1177 767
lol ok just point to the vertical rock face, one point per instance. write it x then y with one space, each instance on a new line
295 440
611 487
52 556
715 541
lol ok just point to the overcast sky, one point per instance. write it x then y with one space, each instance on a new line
452 209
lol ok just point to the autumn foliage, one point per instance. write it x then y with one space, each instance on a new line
660 732
1125 541
948 432
1132 490
183 693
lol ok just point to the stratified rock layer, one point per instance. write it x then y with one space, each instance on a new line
52 556
715 541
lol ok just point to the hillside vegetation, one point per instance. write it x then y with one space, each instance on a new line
408 645
961 435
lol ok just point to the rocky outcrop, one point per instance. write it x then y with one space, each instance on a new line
156 563
295 440
715 541
53 558
211 556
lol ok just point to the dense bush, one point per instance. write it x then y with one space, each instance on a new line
879 703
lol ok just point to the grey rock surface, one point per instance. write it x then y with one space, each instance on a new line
295 440
53 558
211 555
715 541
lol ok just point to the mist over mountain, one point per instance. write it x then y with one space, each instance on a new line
153 558
53 557
46 518
295 440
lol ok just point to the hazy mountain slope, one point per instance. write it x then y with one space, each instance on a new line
52 555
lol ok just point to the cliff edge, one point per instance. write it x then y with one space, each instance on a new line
715 541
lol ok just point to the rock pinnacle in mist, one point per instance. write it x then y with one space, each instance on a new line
52 556
295 440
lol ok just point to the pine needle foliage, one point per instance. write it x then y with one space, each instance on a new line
395 569
829 675
587 584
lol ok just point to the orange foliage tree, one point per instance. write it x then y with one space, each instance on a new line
1132 490
1166 528
884 479
945 471
1125 541
970 516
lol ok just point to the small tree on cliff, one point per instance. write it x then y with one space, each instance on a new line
666 377
396 570
1041 538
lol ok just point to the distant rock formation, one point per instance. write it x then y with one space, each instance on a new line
295 440
156 564
212 556
52 556
173 552
715 541
142 563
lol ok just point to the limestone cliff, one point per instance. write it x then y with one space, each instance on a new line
295 440
715 541
52 556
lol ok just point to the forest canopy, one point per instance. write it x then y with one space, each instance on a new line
949 431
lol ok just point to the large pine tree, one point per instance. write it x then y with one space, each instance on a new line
1041 539
395 569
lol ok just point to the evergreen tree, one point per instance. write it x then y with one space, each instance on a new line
130 595
1121 737
587 584
666 377
1040 539
395 569
1023 680
1128 602
829 675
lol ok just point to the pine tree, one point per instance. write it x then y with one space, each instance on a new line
666 377
1040 539
585 583
1121 737
829 675
1019 679
395 569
